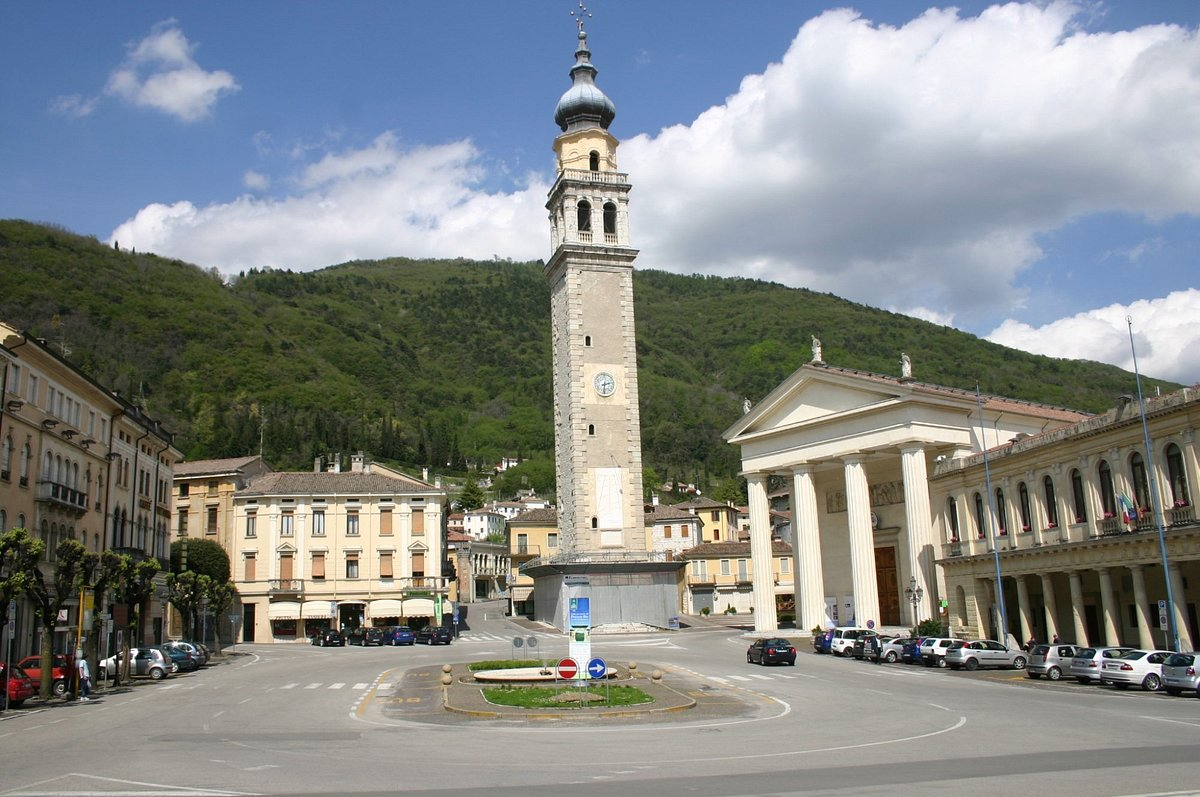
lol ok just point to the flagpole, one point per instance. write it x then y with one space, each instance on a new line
1172 626
987 479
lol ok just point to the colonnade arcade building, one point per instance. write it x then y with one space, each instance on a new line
889 492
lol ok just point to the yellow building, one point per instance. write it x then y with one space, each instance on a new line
79 462
720 577
719 521
1074 516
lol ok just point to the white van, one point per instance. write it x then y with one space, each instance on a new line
842 643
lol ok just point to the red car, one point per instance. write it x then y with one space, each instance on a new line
61 672
17 687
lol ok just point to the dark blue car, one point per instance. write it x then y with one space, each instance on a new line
399 635
912 652
821 642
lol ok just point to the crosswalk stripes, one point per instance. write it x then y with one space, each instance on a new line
358 687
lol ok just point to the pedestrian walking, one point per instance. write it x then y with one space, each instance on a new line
85 678
877 649
1056 639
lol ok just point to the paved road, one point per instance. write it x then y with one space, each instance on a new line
301 720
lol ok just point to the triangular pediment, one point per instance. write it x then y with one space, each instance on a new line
418 547
809 396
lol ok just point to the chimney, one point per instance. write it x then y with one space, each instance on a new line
654 499
317 465
437 482
337 462
356 462
425 474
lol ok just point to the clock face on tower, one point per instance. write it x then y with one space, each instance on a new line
604 383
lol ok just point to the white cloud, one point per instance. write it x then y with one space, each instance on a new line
74 105
256 181
160 73
374 202
1165 333
915 166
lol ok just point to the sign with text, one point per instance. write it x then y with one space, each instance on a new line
580 613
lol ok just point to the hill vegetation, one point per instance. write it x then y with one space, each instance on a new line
446 363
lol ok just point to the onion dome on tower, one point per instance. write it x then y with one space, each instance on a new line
584 105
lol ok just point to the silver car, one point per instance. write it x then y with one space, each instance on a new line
984 653
1136 668
1179 674
933 650
1049 660
1088 663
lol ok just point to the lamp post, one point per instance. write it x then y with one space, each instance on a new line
914 593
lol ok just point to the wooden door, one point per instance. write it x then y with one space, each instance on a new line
888 586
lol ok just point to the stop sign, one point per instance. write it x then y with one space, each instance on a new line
568 669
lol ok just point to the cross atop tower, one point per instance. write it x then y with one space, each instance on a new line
580 15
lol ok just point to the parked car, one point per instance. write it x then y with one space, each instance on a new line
399 635
17 687
149 662
62 672
1049 660
327 637
861 647
984 653
821 642
434 635
893 649
1136 668
1086 665
181 660
197 650
933 650
771 651
842 643
911 654
365 636
1179 674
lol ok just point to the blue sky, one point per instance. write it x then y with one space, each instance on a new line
1029 172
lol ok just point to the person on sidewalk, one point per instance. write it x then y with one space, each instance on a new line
85 678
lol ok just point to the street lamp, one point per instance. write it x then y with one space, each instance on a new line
914 593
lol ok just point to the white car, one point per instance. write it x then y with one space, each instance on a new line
933 650
1088 663
1136 668
893 649
842 643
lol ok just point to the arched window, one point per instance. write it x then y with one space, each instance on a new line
595 522
952 516
48 466
6 456
1108 496
3 521
610 218
980 526
1141 485
26 458
591 430
1177 476
584 215
1001 512
1023 505
587 340
1080 505
1051 502
594 161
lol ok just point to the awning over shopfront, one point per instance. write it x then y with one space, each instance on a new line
519 594
285 610
387 608
314 609
424 607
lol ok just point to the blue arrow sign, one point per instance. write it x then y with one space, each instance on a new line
596 668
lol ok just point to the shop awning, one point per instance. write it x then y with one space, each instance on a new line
285 610
315 609
424 607
386 607
519 594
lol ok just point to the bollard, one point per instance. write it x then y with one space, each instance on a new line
656 676
447 679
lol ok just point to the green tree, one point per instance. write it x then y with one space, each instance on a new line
74 566
220 598
136 585
19 555
186 591
472 496
206 557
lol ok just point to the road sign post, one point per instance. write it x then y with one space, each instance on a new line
567 669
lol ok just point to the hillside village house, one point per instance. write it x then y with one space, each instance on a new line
671 529
481 524
857 448
332 548
79 462
1074 515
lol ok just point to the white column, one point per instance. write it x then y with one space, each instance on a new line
1081 637
918 519
1023 609
985 608
1185 638
760 554
1141 607
806 565
1050 606
1108 608
862 543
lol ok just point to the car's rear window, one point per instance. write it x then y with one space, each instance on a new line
1085 653
1041 650
1181 660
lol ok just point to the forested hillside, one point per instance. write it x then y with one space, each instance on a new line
448 361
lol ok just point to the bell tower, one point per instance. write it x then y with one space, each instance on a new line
597 435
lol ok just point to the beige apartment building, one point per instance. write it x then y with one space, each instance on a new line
1074 515
79 462
720 578
532 535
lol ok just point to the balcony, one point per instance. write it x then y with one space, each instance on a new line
62 496
522 553
416 586
1180 516
285 587
953 549
703 580
1110 526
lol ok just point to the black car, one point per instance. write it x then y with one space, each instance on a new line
771 651
329 636
434 635
365 636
